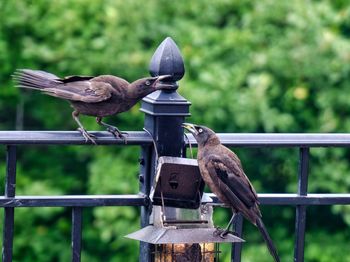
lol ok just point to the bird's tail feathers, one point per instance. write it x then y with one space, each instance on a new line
267 238
35 79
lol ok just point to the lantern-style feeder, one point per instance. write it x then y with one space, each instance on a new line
181 228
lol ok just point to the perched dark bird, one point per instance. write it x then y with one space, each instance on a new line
98 96
222 171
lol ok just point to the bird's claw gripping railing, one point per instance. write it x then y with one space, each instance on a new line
164 114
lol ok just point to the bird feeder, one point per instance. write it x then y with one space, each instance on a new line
181 228
178 183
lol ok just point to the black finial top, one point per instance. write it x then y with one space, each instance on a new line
167 60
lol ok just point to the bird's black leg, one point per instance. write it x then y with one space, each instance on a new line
82 130
112 129
223 232
231 222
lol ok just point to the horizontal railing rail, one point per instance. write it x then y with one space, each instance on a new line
71 138
141 200
143 138
282 140
290 199
75 201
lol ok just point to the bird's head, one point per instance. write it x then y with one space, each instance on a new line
202 134
147 85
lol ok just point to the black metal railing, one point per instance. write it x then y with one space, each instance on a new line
13 139
300 199
164 113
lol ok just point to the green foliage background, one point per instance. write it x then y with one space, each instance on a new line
252 66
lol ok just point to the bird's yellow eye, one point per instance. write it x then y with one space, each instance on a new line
200 130
148 83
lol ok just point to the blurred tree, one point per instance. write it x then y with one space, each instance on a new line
252 66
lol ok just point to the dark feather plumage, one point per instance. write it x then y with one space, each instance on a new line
94 96
222 171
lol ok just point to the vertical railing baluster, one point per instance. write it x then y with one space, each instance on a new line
300 222
237 247
77 217
10 190
145 186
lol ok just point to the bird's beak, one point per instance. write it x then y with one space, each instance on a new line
159 84
189 127
161 78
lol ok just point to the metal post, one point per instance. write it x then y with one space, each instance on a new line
165 111
10 189
144 179
300 222
237 247
77 217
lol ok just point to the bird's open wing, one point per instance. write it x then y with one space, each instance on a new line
85 91
229 172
